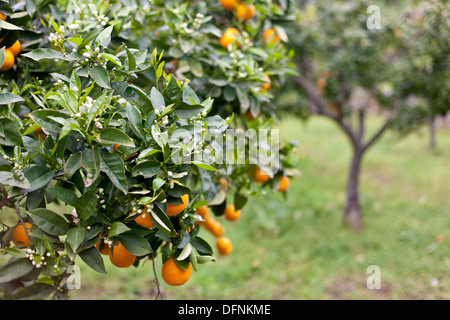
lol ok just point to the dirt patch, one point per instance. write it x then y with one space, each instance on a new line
354 287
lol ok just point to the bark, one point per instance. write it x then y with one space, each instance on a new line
352 210
432 125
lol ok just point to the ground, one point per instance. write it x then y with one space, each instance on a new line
300 249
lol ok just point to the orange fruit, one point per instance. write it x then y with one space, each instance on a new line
15 48
231 214
249 115
215 227
230 36
283 184
40 134
174 209
244 12
224 246
326 74
144 220
202 211
19 236
2 17
266 85
9 60
121 257
115 147
260 176
321 83
224 184
174 275
229 4
105 249
271 36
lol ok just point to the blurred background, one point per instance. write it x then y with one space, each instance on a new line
388 84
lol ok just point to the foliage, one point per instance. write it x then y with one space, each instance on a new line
94 124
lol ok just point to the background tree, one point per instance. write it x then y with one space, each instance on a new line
347 71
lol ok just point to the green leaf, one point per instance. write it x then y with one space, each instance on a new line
113 166
116 136
75 82
116 228
135 118
135 244
72 164
35 291
185 252
205 259
75 236
104 37
172 93
204 166
86 204
65 195
45 119
147 169
100 76
7 98
14 179
90 161
162 221
131 60
39 176
189 96
186 111
88 38
15 270
43 53
8 26
93 259
49 221
11 133
202 246
157 100
158 183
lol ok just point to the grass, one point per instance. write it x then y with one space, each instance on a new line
300 249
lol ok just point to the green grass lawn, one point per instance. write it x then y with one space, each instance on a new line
300 249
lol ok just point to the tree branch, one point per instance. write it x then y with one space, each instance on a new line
20 216
361 118
320 107
377 135
7 198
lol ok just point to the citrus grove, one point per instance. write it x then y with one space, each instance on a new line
102 109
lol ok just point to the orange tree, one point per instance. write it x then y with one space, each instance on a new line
98 133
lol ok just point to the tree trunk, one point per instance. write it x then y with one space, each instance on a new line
352 210
432 124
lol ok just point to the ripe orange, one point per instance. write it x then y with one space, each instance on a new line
224 246
15 48
120 257
230 36
105 251
115 147
231 214
40 134
174 209
174 275
266 85
19 236
284 184
321 83
260 176
229 4
9 60
202 211
2 17
271 36
144 220
224 184
244 12
215 227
